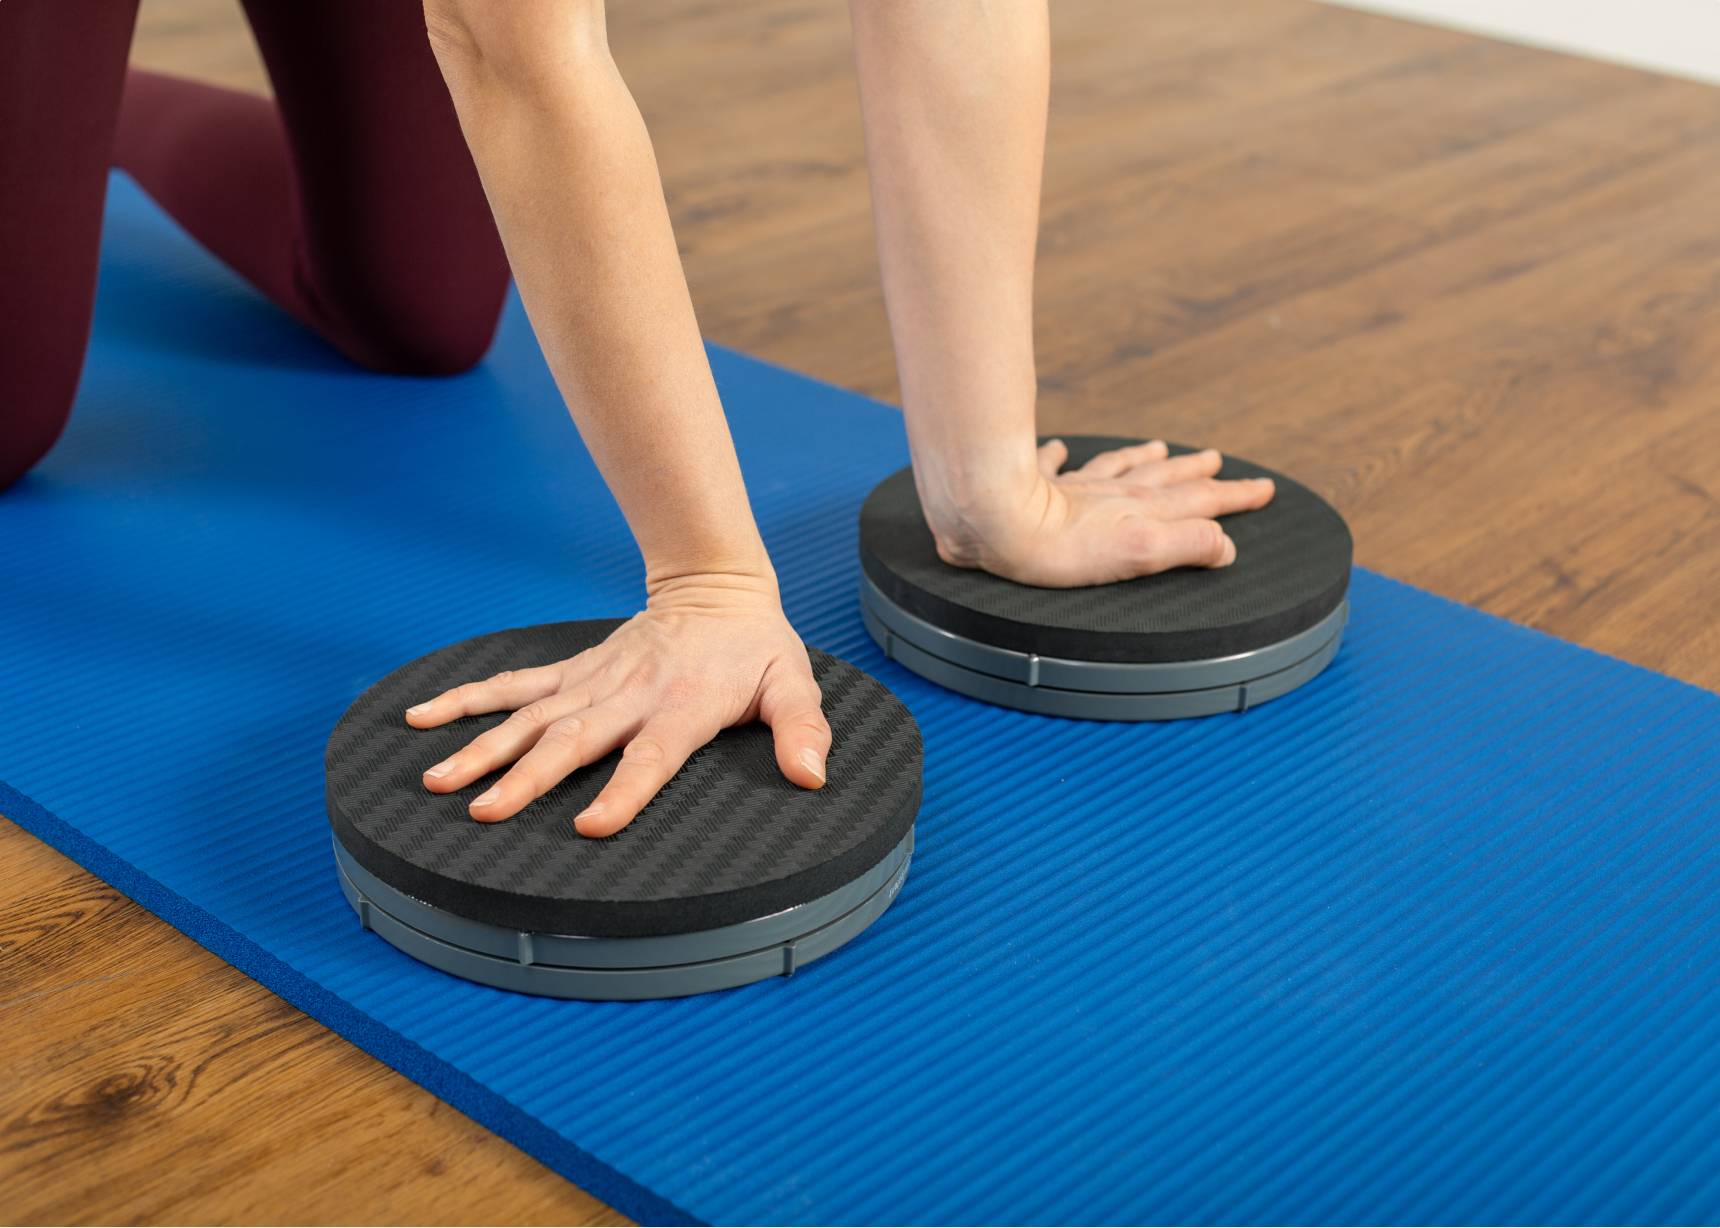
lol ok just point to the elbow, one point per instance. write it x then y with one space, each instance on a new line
524 44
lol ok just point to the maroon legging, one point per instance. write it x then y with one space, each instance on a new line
351 201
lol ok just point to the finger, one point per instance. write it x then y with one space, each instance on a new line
1052 453
1208 498
1161 545
509 689
501 745
650 761
1189 467
1120 460
567 745
793 707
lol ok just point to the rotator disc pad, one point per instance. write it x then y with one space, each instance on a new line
1188 642
732 873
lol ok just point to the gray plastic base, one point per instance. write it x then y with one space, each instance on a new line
668 966
1098 690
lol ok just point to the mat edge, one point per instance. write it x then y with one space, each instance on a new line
440 1079
742 358
1533 630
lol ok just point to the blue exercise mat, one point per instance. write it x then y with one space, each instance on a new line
1431 939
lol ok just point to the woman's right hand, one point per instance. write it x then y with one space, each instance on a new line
1129 512
707 652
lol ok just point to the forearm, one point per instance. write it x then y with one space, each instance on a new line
568 168
953 95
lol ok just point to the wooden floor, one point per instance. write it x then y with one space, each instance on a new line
1469 291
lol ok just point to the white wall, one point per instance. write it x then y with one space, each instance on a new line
1672 36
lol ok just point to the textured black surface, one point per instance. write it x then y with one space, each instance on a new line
729 840
1292 569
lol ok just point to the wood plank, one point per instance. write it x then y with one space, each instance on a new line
149 1082
1466 289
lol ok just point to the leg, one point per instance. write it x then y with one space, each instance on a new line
62 63
352 202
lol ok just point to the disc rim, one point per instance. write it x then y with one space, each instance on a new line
782 959
602 951
1237 695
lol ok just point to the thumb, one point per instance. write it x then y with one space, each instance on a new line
1052 454
792 706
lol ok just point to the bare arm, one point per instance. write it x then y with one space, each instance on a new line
568 168
572 180
954 96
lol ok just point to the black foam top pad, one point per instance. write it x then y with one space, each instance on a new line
729 840
1292 569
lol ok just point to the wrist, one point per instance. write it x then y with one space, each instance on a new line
711 579
972 448
977 496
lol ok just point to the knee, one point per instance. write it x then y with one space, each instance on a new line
428 339
525 43
422 356
450 351
29 428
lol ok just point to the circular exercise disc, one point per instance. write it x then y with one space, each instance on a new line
730 875
1190 642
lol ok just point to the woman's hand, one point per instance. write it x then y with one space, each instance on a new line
707 652
1126 513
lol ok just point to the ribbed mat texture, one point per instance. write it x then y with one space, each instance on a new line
1432 939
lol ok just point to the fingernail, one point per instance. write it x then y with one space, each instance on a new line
441 769
486 797
812 761
590 812
418 709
